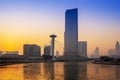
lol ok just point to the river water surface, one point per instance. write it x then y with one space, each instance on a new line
60 71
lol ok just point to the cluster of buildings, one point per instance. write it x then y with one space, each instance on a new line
96 53
9 54
115 52
72 47
33 51
30 51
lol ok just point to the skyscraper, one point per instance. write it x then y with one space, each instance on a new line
96 52
47 50
82 48
117 49
71 33
31 50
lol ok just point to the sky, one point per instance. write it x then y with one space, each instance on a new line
32 21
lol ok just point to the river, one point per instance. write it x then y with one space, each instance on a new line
60 71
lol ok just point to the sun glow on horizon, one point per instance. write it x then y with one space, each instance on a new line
31 22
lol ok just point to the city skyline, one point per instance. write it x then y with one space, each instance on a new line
32 22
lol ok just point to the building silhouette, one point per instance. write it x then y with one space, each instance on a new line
111 53
82 48
117 49
11 54
57 53
71 33
47 50
96 52
31 50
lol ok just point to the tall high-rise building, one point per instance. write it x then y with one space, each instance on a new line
96 52
47 50
82 48
31 50
117 49
71 33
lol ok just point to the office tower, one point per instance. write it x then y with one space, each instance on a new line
47 50
36 50
1 53
57 54
96 52
26 50
71 33
117 49
82 48
31 50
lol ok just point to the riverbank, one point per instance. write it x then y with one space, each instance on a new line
10 62
107 63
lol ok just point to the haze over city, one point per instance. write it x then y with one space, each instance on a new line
33 21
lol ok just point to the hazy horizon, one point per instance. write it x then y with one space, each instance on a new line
32 21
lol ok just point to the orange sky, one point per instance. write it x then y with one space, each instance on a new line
32 22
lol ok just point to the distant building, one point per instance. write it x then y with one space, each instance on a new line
1 53
82 48
71 33
47 50
31 50
96 52
57 54
10 54
117 49
111 53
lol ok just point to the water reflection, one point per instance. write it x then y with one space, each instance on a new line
103 72
60 71
48 70
75 71
117 72
31 71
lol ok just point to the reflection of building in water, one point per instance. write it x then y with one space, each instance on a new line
48 70
117 71
103 72
75 71
31 71
82 71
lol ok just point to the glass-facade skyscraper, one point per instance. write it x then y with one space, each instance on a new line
71 33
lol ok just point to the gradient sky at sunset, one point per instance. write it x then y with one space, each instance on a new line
32 21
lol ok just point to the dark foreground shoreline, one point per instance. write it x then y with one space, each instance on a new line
107 63
103 60
11 62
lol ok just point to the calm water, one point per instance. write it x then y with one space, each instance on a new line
60 71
